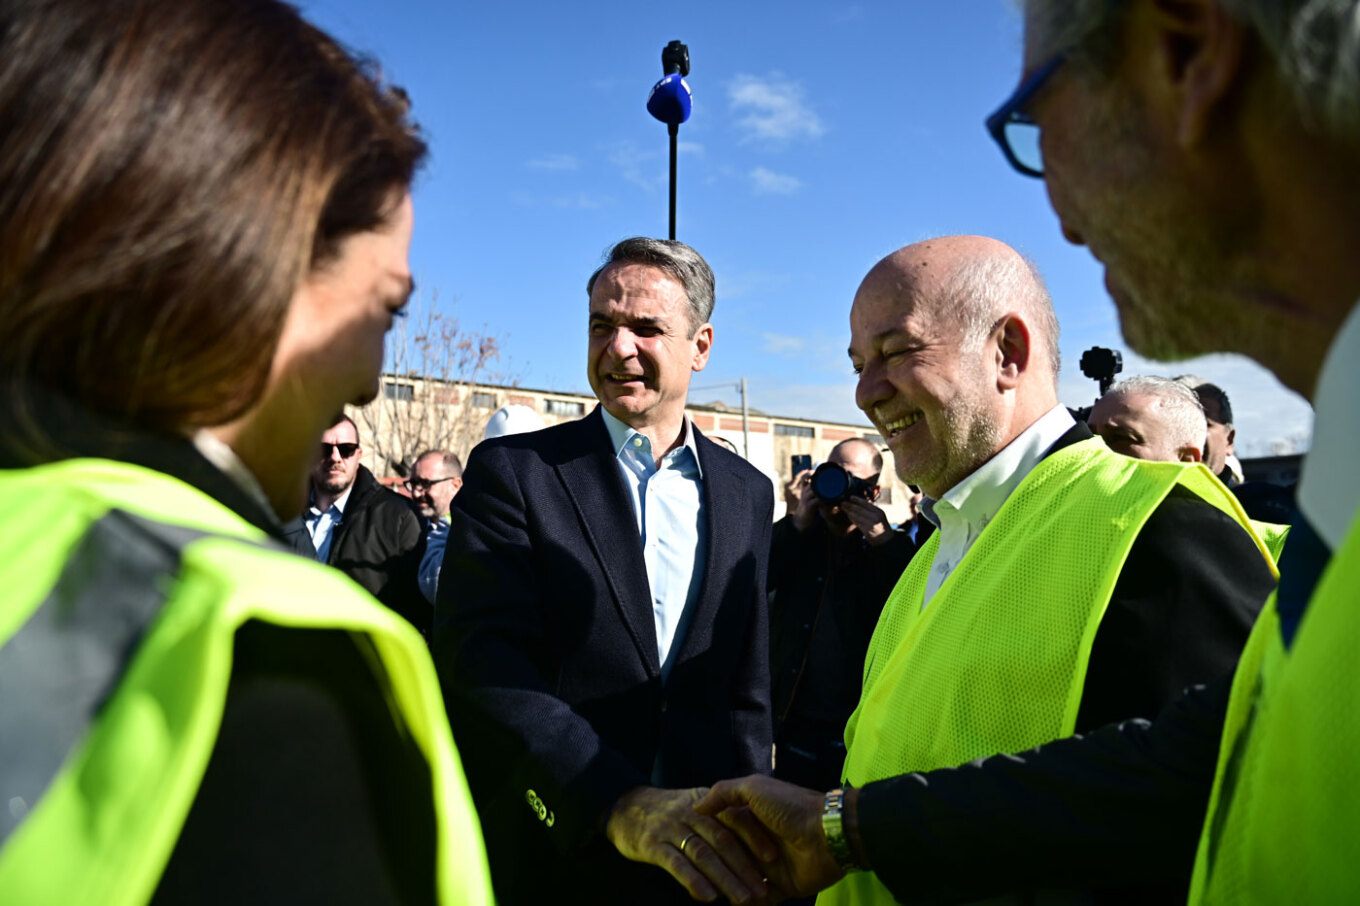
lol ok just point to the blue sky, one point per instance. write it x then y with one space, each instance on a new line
824 136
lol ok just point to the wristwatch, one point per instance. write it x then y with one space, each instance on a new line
835 831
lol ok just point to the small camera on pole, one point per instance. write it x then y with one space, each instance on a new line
1101 364
671 103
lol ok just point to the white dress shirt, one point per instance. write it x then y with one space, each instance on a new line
966 509
668 504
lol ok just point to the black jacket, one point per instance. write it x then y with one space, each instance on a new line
546 645
377 543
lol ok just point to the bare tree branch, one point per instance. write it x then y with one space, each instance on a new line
432 367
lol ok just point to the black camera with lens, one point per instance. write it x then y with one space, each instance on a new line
831 483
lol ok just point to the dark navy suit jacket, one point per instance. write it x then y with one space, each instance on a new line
545 642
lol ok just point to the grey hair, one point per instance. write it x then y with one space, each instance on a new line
1178 405
984 287
1316 45
676 259
453 466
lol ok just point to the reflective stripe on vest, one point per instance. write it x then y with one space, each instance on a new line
70 653
109 818
997 661
1283 824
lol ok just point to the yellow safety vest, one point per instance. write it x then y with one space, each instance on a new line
138 582
997 661
1283 824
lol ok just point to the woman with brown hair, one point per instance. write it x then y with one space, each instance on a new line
205 221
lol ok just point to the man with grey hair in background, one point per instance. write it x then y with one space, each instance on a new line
1208 152
1150 417
600 619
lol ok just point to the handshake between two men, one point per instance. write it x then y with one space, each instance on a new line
750 840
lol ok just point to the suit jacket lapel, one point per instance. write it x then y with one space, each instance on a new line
590 475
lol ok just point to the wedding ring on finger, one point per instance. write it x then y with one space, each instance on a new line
685 842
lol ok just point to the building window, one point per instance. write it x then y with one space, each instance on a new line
875 439
794 430
564 407
401 392
484 400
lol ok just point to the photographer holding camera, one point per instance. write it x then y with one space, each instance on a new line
833 560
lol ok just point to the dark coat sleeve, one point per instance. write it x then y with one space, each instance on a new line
1126 801
296 535
1179 615
491 651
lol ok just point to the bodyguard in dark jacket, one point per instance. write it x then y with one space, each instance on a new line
353 523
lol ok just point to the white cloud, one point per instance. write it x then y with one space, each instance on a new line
782 344
767 182
693 148
772 109
554 162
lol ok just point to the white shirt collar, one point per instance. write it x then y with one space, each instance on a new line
978 497
620 433
1329 487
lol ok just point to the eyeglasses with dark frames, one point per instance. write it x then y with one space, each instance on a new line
1014 130
420 485
346 450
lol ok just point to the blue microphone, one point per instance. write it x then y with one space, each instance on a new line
670 100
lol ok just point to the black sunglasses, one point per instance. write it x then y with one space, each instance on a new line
416 485
346 450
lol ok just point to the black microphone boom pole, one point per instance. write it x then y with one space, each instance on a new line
674 130
671 103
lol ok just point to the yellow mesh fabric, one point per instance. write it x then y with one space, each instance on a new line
997 661
1284 818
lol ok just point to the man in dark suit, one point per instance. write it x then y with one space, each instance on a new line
353 523
600 619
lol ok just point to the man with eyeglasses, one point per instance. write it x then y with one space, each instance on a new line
435 478
1207 153
353 523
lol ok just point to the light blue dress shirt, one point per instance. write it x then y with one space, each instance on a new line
321 526
668 503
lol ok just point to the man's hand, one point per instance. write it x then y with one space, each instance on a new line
870 519
793 815
800 501
662 828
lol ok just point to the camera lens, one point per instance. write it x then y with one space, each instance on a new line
831 483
